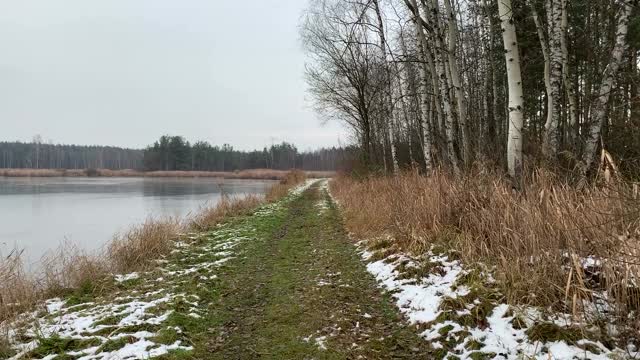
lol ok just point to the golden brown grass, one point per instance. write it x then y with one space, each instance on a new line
210 216
251 174
535 239
135 249
17 291
281 189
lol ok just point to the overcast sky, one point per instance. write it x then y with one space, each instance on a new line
124 72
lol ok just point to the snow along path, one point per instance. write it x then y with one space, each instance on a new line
462 317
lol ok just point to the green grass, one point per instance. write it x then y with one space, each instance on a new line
117 344
267 300
60 345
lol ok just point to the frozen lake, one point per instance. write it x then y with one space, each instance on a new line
38 214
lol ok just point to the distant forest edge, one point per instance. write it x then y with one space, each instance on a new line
169 153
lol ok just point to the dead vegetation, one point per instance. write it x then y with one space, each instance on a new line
279 190
552 246
76 274
210 216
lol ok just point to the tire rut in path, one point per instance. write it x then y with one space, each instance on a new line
302 292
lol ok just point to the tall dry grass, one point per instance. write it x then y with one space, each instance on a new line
136 248
17 291
281 189
210 216
537 240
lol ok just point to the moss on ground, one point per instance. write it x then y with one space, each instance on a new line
116 344
549 332
60 345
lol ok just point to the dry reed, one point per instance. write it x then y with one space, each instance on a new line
552 245
281 189
135 249
210 216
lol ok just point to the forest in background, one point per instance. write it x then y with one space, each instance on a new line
502 133
449 83
169 153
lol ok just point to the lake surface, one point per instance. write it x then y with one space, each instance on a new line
39 214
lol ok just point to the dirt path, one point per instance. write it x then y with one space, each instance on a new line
300 291
282 283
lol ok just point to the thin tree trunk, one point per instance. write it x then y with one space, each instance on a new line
441 65
388 103
516 99
423 52
599 109
566 78
457 83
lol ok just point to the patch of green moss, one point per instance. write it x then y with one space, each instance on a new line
176 355
445 330
59 345
128 284
109 320
166 336
474 344
477 355
116 344
549 332
440 353
423 270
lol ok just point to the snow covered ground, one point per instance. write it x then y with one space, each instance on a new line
451 312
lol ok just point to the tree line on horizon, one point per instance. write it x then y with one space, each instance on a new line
175 153
168 153
450 83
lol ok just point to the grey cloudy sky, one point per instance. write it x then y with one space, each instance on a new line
124 72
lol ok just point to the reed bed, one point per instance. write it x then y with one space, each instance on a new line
552 245
281 189
69 270
251 174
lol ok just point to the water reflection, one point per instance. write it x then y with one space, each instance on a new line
37 214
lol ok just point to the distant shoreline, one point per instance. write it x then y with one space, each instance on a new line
250 174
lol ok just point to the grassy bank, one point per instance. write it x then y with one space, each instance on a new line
69 270
279 282
285 281
560 249
251 174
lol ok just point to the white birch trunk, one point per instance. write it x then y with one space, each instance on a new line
516 99
388 103
552 126
422 49
441 65
599 107
457 83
